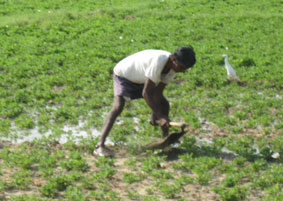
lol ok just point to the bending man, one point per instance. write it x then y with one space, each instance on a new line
145 75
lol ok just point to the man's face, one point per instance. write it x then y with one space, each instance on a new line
178 67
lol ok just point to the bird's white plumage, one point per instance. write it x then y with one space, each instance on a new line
230 71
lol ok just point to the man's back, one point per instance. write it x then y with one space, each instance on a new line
142 65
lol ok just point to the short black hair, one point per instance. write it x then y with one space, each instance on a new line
185 55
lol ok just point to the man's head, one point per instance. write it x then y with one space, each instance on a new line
183 58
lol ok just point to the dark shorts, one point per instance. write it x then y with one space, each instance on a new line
126 88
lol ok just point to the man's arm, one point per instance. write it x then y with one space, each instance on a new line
152 95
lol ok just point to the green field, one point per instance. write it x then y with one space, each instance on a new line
56 61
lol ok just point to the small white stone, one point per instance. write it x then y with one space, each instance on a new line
275 155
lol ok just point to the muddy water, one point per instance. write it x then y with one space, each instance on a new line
69 132
76 133
224 150
73 133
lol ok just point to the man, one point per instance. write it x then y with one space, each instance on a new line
145 75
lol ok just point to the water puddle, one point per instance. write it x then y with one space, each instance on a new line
136 122
69 133
78 132
206 125
278 96
206 141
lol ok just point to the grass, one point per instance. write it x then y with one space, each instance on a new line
56 70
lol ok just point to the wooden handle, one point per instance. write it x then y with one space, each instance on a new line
177 124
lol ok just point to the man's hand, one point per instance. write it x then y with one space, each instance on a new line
164 122
153 96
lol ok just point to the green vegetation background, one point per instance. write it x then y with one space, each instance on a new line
62 54
56 61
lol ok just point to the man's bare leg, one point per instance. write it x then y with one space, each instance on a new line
153 120
116 110
165 111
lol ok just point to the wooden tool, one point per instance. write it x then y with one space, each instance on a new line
177 124
170 139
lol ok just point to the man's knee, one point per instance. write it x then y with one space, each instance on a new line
117 109
118 105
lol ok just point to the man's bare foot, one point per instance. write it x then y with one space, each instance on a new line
103 151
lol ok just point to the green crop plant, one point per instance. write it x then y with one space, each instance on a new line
74 162
18 158
75 193
242 146
48 190
104 195
203 175
22 179
184 180
240 161
120 135
231 194
89 181
187 162
226 168
6 186
71 145
5 125
54 185
106 166
151 162
169 190
56 69
150 198
51 159
11 109
259 165
25 121
132 163
149 191
130 178
104 162
2 185
272 176
189 144
106 172
88 144
28 198
46 172
273 193
133 195
161 174
232 180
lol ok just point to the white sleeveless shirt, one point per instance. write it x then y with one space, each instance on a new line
145 64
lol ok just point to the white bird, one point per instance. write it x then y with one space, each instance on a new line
232 76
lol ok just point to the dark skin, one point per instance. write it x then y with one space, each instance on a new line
153 95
